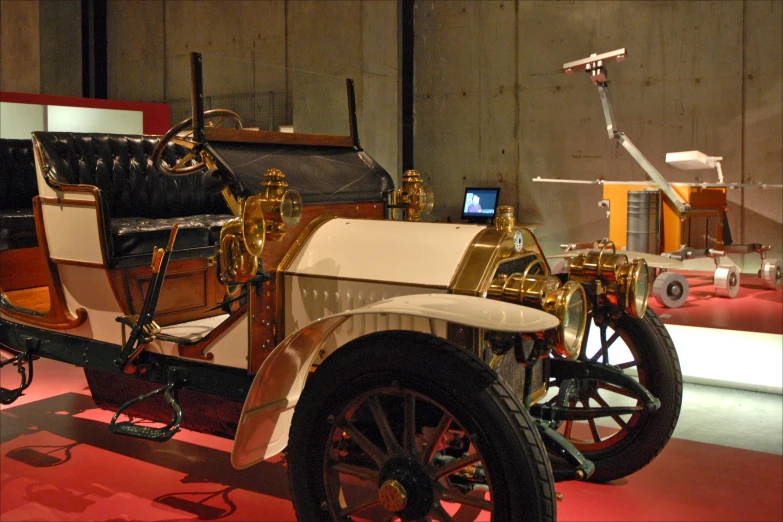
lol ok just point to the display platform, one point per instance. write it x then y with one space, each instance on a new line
755 309
58 461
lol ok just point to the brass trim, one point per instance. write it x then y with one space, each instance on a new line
489 249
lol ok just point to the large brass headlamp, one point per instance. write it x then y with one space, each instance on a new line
616 281
567 302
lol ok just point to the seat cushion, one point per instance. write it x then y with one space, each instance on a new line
17 229
133 236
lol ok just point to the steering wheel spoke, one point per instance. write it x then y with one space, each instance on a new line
190 163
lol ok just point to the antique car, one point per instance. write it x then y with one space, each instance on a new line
275 288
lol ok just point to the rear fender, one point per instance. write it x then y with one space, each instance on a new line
269 406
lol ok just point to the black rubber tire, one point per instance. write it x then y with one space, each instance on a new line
657 360
513 453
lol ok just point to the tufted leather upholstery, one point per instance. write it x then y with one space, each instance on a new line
140 203
18 187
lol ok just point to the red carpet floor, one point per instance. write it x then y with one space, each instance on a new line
755 309
59 462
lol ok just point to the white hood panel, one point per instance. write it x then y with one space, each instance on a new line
385 251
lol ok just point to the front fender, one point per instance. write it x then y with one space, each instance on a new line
269 406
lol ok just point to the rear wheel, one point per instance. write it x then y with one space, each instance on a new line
404 426
623 444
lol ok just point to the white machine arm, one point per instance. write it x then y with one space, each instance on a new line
594 64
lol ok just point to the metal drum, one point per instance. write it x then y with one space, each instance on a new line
644 218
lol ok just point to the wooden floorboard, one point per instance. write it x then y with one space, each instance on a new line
36 299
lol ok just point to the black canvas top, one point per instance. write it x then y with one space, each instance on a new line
321 174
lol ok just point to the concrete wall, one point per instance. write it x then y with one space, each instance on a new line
149 41
492 106
61 47
20 50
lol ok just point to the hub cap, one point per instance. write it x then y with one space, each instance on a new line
393 496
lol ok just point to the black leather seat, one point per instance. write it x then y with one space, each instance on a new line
140 204
18 187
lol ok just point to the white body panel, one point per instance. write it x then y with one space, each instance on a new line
266 415
387 251
61 221
309 299
89 288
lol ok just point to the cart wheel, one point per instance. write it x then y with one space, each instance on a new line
771 274
727 281
377 435
670 289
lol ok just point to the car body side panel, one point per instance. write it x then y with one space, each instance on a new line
266 415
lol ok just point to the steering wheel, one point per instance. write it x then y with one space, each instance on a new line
181 168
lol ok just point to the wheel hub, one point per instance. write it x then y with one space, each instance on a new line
405 488
393 496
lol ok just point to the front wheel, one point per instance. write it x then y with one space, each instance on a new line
623 444
404 426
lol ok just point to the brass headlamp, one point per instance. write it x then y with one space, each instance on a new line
615 281
260 217
567 302
282 206
414 197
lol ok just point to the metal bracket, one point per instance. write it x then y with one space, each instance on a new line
176 378
25 356
562 369
562 447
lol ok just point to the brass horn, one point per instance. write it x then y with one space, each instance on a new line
241 242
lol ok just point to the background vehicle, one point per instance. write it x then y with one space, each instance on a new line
410 369
681 221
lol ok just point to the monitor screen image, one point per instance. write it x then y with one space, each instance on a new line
480 203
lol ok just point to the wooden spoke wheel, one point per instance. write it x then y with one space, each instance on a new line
623 444
379 435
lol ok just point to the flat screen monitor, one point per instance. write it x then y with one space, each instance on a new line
479 204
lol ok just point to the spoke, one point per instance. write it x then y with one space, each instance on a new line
373 451
616 389
455 466
460 498
440 430
216 124
438 513
605 344
363 473
626 365
600 400
359 507
409 431
184 142
568 427
189 156
392 446
594 430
